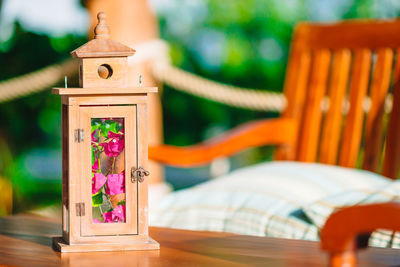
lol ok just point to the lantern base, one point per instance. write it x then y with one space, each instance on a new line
148 244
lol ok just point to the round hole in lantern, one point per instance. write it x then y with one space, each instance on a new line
105 71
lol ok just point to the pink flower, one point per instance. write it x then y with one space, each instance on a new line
119 213
115 145
116 184
108 217
116 215
95 166
98 181
94 139
97 221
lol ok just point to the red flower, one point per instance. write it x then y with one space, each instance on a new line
94 139
95 166
115 145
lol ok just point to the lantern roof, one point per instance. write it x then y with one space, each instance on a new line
102 45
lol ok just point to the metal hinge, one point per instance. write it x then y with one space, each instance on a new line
79 135
80 209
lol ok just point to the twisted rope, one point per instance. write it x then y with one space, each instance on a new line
247 98
35 81
179 79
156 51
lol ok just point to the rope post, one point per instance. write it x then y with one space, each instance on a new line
133 23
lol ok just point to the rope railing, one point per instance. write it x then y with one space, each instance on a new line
164 71
35 81
156 51
248 98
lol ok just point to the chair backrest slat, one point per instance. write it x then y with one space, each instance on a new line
295 89
339 80
391 163
333 120
374 124
354 122
296 84
308 139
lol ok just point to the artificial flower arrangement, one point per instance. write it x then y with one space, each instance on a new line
108 175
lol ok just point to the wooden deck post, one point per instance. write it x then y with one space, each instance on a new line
133 23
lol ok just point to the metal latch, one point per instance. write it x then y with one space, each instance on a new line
138 174
80 209
79 135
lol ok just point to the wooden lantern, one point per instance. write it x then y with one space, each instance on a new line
104 151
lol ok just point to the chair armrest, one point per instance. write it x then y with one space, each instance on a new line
349 229
281 131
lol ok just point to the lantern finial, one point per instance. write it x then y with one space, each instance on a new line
101 31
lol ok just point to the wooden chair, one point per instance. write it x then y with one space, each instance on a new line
338 79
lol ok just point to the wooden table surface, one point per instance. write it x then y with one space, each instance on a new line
25 240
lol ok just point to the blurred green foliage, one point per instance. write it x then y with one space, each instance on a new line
243 43
31 126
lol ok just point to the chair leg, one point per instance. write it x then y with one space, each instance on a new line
343 259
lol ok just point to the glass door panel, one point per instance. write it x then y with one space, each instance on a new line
109 152
108 168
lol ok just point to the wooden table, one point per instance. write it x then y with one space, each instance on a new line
25 240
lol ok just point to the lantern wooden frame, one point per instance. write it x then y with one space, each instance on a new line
79 105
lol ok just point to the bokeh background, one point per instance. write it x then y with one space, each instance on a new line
243 43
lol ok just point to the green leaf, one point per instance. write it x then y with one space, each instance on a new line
122 202
96 123
111 209
93 155
97 199
108 125
120 126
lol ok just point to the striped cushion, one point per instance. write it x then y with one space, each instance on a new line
265 199
319 211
